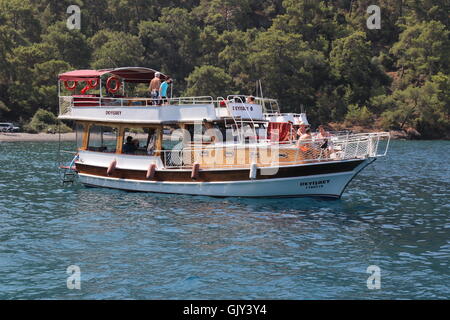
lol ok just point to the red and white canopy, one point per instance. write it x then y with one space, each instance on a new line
129 74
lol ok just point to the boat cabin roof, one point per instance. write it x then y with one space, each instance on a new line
128 74
109 105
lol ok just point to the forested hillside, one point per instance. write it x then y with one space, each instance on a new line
319 54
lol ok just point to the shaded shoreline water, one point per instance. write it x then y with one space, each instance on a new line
395 215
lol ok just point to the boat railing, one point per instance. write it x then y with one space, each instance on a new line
359 146
191 100
66 103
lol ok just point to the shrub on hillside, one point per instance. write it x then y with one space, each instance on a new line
360 116
45 121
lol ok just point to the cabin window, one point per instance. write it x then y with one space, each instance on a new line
139 141
174 137
102 139
200 133
79 131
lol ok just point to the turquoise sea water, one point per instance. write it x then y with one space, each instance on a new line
395 214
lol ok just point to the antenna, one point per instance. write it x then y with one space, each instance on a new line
262 97
113 62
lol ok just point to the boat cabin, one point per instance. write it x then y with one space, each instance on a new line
115 114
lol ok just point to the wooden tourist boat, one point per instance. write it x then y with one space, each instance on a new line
200 145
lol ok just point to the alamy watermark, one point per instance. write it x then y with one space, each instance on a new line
374 280
374 20
74 279
74 21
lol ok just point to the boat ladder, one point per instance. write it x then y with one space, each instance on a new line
69 172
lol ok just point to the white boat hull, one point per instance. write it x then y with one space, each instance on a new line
323 185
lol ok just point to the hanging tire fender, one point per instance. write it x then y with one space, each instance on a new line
111 167
195 171
151 171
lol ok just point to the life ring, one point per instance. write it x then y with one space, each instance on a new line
90 84
116 87
71 88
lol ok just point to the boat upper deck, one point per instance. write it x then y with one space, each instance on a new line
147 110
122 95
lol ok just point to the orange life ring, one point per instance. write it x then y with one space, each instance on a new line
71 88
116 87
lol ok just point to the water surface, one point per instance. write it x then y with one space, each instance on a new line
395 215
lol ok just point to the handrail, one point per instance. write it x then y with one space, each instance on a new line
307 151
83 99
248 114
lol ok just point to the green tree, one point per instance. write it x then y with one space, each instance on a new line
45 84
391 13
288 68
317 22
351 63
224 14
116 49
422 51
237 47
428 10
171 43
425 108
208 81
210 46
21 15
358 115
68 45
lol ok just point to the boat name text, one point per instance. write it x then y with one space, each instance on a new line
113 113
314 184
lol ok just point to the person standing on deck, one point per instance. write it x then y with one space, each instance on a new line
154 86
163 90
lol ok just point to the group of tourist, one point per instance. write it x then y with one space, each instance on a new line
306 139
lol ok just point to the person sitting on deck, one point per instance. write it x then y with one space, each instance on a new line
323 136
130 146
305 137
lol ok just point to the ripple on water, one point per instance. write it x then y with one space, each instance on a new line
137 245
